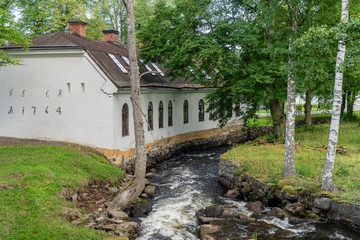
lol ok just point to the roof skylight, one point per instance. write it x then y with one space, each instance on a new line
126 60
147 67
157 69
118 63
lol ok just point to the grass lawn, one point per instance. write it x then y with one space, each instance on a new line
314 107
266 161
31 177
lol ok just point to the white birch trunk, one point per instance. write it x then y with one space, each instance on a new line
140 164
289 159
327 183
131 192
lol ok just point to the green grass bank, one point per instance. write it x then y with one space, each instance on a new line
31 177
265 161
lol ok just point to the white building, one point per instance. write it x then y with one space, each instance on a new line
71 88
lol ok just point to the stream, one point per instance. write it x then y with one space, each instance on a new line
188 183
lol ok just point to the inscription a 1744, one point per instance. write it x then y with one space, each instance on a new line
34 110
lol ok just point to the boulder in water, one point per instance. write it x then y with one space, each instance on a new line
141 208
279 213
214 211
232 193
295 208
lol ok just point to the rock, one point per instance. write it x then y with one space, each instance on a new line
316 210
207 229
150 190
255 207
232 193
72 214
235 213
302 227
214 211
312 215
282 183
90 217
153 170
290 190
295 208
74 197
149 175
206 220
91 225
296 220
109 227
127 229
141 208
246 188
116 221
289 196
144 195
322 203
100 219
147 182
279 213
118 214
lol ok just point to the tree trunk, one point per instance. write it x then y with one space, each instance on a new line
350 103
308 106
343 104
289 159
277 115
276 108
327 183
133 191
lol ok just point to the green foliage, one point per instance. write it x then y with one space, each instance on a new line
47 16
9 33
98 158
342 171
265 162
272 137
244 55
349 118
30 207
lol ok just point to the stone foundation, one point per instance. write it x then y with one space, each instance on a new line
200 140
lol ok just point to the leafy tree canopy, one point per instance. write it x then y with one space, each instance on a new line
9 33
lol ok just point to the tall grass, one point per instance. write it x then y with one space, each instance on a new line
31 177
266 161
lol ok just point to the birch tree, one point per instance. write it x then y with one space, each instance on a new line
289 160
327 183
133 191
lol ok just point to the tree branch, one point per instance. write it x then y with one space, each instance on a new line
124 3
144 73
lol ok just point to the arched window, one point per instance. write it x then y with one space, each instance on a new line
170 114
161 115
125 120
186 112
150 117
201 110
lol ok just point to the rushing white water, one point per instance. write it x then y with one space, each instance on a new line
189 183
173 215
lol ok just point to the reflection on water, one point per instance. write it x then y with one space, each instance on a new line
189 182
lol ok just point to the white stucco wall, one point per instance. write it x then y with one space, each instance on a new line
177 98
33 93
